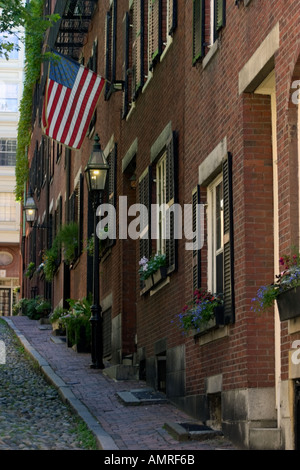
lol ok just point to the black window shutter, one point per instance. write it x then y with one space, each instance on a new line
155 32
80 214
125 27
171 198
139 48
228 241
111 185
107 52
145 191
196 262
220 16
172 20
110 47
198 29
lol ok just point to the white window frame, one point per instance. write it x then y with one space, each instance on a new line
161 182
211 234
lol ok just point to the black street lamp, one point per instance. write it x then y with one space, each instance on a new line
30 208
96 172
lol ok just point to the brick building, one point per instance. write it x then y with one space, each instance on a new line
197 108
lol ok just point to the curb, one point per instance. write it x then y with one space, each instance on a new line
104 440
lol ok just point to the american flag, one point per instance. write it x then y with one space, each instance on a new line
72 94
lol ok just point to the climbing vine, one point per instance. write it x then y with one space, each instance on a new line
14 17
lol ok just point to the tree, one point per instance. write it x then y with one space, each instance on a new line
16 17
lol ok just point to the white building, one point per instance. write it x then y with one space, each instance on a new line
11 88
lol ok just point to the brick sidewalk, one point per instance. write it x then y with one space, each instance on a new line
126 427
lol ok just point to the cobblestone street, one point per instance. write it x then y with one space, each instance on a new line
32 415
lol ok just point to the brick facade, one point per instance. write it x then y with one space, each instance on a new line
223 104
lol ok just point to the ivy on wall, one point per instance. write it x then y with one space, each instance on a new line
16 16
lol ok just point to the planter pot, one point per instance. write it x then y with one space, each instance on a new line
219 315
218 320
289 304
160 274
148 283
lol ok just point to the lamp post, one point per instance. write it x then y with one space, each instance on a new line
30 208
96 172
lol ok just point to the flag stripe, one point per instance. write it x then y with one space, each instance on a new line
83 111
70 104
60 106
93 99
78 105
66 122
57 109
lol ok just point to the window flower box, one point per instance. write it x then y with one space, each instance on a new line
160 274
204 312
288 303
285 291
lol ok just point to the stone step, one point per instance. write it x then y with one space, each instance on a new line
193 431
265 439
122 372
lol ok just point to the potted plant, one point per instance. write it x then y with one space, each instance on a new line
67 238
50 261
152 270
56 320
205 310
77 323
285 290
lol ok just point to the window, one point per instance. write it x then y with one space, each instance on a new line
158 185
147 31
7 207
92 65
161 201
8 152
209 17
9 93
220 247
110 48
162 21
215 236
76 212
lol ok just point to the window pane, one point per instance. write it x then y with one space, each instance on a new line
8 152
161 201
9 93
219 216
7 207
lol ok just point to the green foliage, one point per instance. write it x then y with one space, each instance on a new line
68 239
199 311
148 267
77 322
14 17
50 261
32 308
286 280
30 270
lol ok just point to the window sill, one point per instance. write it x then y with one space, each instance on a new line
213 50
132 108
168 45
210 334
149 78
157 281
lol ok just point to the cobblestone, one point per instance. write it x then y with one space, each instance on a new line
95 398
32 415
